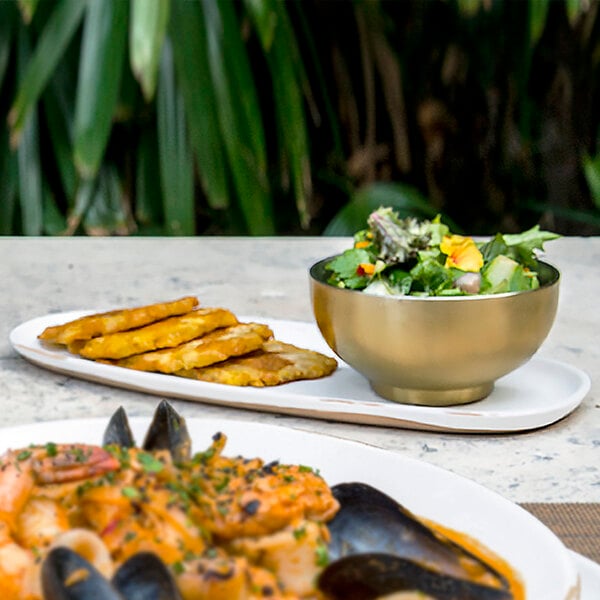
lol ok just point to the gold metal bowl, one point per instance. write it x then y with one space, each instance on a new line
435 351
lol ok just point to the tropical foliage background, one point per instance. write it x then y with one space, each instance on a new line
262 117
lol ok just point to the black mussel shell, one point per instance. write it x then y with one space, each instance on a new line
68 576
169 431
145 577
369 576
118 430
371 523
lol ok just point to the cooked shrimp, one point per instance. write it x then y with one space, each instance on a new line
16 565
29 521
240 498
224 577
139 509
293 553
40 521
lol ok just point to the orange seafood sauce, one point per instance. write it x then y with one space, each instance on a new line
516 586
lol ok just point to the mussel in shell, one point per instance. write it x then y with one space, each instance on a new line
167 431
118 431
145 577
68 576
378 547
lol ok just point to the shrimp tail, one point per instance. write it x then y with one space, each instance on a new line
73 462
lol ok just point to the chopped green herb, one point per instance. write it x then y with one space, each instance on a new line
299 533
51 449
178 567
149 463
221 485
81 489
204 457
130 492
321 556
23 455
78 454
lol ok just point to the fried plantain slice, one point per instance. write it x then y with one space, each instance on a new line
167 333
86 328
211 348
275 363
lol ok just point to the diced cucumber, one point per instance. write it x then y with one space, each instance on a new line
503 274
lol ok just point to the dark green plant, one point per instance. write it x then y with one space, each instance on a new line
188 117
113 100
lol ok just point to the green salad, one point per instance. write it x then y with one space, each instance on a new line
398 257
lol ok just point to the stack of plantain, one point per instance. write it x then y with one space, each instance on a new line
181 338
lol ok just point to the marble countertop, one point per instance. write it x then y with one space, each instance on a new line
268 277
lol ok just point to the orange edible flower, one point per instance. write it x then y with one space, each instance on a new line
462 253
365 269
362 244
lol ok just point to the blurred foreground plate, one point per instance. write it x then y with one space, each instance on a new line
537 394
589 574
547 569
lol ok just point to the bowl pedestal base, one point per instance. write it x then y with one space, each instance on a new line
429 397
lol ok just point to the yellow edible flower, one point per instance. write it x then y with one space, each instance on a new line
462 253
365 269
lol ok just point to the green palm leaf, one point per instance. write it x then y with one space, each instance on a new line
176 160
106 213
469 8
7 14
234 111
28 8
538 11
54 221
83 200
55 38
8 185
279 45
575 8
101 66
188 38
146 37
58 109
28 157
233 56
591 169
148 205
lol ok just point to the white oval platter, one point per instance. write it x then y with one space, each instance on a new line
537 394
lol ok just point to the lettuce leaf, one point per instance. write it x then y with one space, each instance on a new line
344 269
518 246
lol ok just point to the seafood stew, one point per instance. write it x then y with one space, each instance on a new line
222 527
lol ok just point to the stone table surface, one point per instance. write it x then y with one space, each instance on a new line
269 277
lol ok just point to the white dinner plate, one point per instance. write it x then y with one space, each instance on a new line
545 566
537 394
589 574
